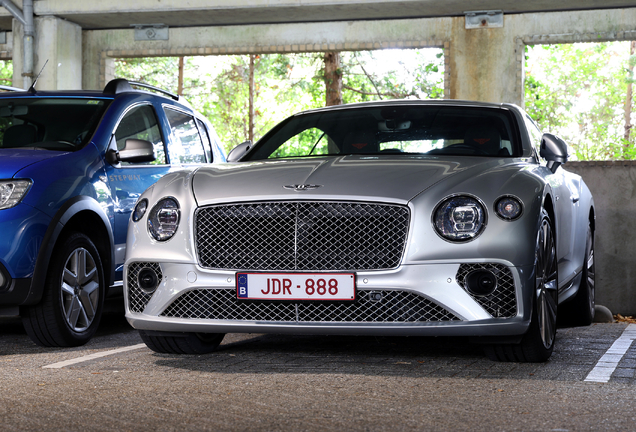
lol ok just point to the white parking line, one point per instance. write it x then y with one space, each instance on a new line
62 364
605 367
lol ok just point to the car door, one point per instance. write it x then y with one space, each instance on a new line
128 180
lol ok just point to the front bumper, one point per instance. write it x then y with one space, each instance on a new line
422 299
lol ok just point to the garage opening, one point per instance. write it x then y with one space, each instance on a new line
583 92
221 87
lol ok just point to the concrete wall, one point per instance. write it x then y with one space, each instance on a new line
613 184
481 64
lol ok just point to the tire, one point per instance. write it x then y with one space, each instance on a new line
181 343
538 343
580 310
73 299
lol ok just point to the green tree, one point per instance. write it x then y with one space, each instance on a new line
578 92
6 73
218 86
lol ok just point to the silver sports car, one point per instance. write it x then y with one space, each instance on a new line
444 218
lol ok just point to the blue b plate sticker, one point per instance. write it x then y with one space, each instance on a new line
241 285
296 286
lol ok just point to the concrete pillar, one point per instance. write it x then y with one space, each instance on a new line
482 64
59 42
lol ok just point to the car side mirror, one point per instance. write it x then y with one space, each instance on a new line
137 151
554 150
239 151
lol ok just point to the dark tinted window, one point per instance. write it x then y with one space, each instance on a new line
49 123
398 129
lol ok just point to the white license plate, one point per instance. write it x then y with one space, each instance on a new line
296 286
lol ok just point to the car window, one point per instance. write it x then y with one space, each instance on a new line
188 147
141 123
397 129
65 124
309 142
535 133
207 145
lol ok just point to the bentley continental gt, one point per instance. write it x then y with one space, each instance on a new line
411 218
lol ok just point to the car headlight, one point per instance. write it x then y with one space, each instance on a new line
508 208
12 191
140 210
459 218
163 219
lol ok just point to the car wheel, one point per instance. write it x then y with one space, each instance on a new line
537 344
580 310
181 343
73 298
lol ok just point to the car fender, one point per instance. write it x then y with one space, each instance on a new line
70 208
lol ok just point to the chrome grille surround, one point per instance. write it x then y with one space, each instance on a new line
502 303
301 235
374 306
137 299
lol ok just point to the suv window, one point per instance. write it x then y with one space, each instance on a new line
206 140
141 123
65 124
188 147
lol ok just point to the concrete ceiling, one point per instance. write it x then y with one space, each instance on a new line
124 13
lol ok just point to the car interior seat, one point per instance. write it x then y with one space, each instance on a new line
21 135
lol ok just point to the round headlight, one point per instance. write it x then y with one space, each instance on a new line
459 218
140 210
163 219
508 208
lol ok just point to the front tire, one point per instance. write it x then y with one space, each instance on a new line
73 299
181 343
538 343
580 310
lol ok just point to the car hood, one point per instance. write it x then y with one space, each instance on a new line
14 160
355 177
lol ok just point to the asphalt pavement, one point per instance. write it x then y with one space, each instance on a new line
260 382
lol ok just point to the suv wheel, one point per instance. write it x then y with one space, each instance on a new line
73 299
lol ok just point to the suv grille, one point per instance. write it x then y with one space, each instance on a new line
301 236
502 303
371 306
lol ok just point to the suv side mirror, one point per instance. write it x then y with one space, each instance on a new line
554 150
137 151
239 151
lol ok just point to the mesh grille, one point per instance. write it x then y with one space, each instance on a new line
301 236
371 306
138 299
502 303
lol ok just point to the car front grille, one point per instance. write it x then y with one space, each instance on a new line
501 303
301 236
370 307
137 299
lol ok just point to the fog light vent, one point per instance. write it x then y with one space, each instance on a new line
492 286
142 280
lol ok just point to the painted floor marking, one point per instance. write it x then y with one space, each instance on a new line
65 363
606 365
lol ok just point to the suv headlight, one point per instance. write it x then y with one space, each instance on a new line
459 218
12 191
163 219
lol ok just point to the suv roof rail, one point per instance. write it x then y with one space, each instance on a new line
121 85
9 88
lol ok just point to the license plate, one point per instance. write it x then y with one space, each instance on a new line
296 286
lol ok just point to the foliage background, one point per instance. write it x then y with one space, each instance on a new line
218 86
579 92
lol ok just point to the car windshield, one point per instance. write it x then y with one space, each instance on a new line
396 129
49 123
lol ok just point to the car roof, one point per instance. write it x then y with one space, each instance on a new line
114 88
411 102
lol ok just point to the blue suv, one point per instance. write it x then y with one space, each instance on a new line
72 165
